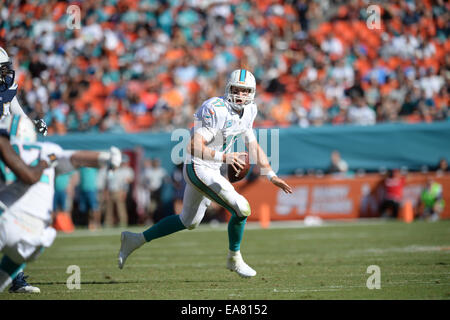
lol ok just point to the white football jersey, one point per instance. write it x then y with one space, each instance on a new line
36 199
221 125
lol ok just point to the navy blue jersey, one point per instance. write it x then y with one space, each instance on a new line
6 96
4 133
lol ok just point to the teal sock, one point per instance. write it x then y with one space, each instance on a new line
236 232
10 267
164 227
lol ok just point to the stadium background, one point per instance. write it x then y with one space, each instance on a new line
137 70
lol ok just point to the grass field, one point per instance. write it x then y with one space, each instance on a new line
293 262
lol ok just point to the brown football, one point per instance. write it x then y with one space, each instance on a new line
233 175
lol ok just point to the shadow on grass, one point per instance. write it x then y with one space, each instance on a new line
205 280
123 282
85 282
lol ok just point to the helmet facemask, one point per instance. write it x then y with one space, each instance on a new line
7 75
239 96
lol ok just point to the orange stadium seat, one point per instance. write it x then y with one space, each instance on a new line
144 121
128 123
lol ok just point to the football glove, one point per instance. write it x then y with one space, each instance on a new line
41 126
115 158
112 158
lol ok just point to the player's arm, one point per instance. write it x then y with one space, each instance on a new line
25 173
15 108
198 148
40 124
256 152
70 160
209 122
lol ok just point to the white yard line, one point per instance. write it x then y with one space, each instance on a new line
295 224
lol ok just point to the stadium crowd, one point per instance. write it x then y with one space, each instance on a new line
148 64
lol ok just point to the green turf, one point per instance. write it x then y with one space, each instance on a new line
328 262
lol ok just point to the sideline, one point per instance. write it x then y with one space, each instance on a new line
208 227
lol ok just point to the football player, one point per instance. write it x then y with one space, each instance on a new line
25 215
8 90
219 120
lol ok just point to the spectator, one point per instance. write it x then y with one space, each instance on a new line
36 67
61 185
431 203
393 184
155 176
360 113
356 89
337 165
317 115
88 197
178 184
332 45
301 117
182 46
442 166
116 189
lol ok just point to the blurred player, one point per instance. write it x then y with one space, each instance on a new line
8 90
27 174
219 119
431 202
25 215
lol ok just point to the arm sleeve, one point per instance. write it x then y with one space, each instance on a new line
64 164
16 108
208 122
249 134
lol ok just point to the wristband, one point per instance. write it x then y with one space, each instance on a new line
218 156
270 175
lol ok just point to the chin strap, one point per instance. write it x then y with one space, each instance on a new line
235 109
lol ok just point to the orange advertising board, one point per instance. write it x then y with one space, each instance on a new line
331 197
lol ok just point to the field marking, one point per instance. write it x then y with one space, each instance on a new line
328 236
276 291
251 225
407 249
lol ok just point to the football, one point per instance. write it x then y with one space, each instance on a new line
237 175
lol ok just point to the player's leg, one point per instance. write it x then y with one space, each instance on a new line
95 210
22 239
122 208
131 241
19 283
8 268
28 251
9 271
194 207
109 209
16 249
212 184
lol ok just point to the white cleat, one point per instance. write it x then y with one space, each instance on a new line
236 263
26 289
129 242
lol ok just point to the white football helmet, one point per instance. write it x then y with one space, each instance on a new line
19 127
240 79
7 73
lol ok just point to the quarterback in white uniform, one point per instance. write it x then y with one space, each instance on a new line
218 122
25 210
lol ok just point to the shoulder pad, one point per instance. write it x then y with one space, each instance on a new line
216 102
